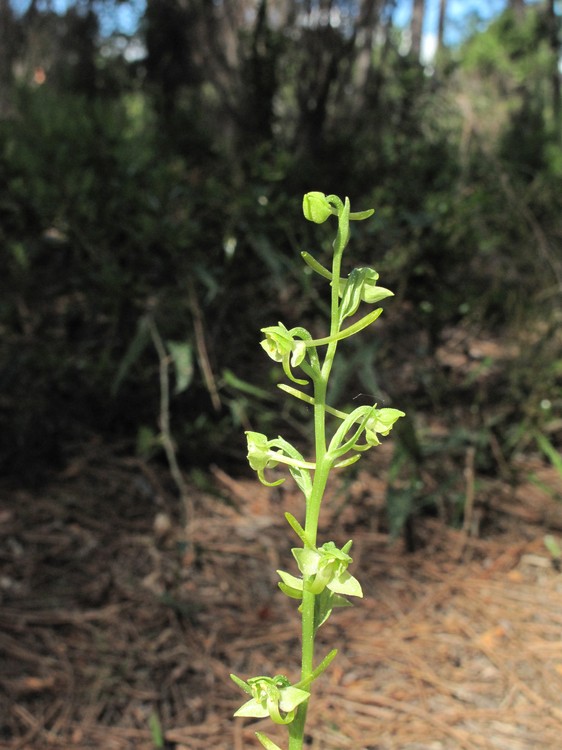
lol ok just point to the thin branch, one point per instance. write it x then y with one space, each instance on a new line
202 353
164 422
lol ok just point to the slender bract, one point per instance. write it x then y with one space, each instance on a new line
323 581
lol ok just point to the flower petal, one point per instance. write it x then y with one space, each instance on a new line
252 709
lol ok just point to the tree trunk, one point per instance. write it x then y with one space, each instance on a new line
6 57
518 6
554 36
441 25
416 27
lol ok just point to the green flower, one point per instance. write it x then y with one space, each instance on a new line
271 696
281 346
361 285
261 457
323 567
381 423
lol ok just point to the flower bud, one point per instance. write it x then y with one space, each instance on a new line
316 207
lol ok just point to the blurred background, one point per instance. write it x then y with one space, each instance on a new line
153 158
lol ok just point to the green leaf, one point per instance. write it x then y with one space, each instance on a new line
266 742
350 330
340 601
323 606
20 255
234 381
147 441
298 529
322 667
182 357
360 215
137 346
550 451
553 547
156 730
318 267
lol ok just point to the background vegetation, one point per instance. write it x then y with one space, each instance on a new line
151 181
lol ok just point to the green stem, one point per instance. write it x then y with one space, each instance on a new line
296 728
321 474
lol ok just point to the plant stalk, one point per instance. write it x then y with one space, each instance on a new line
323 466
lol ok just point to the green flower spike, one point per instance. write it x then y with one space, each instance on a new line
281 346
325 567
271 696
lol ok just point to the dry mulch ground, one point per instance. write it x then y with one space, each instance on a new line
113 622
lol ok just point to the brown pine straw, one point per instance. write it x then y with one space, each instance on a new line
106 620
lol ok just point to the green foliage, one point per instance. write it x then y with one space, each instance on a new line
513 51
550 452
101 226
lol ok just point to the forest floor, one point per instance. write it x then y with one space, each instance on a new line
115 622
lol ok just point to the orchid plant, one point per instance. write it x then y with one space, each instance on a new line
340 438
